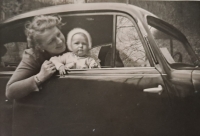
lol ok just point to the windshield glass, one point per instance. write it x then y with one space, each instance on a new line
172 43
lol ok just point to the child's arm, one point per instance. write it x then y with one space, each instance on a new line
70 65
92 63
59 62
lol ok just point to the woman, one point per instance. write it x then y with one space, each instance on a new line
44 40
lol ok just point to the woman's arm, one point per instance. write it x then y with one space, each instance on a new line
23 81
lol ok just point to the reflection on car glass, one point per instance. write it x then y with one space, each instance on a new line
14 53
129 45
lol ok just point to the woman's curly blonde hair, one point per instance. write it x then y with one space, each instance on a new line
38 25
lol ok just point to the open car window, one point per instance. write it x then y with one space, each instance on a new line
100 27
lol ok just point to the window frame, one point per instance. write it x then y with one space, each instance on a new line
165 28
140 35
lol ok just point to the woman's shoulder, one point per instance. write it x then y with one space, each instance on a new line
33 53
33 57
30 53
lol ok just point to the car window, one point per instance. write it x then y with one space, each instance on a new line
14 52
172 49
171 42
129 48
100 27
102 54
13 55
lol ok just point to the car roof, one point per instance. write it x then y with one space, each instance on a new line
120 7
17 22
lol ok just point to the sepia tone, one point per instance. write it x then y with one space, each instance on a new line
127 88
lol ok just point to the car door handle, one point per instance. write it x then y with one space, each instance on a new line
158 90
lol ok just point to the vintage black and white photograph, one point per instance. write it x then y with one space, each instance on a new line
99 68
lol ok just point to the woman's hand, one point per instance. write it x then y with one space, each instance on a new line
46 71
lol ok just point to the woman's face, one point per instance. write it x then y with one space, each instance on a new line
52 41
80 44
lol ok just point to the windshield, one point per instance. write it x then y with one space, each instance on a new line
172 43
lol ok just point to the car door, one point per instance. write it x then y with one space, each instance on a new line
182 78
127 96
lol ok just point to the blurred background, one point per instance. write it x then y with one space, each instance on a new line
184 15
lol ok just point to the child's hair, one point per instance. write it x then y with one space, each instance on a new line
38 25
76 31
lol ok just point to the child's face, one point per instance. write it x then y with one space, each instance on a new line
80 44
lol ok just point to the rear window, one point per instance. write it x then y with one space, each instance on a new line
13 55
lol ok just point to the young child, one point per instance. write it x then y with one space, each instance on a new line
79 42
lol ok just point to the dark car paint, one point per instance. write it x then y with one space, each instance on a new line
6 109
113 101
116 109
196 79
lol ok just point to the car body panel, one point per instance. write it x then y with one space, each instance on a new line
127 8
182 81
95 103
6 108
196 80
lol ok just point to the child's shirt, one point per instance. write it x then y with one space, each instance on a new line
70 57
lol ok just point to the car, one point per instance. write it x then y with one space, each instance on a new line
148 83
